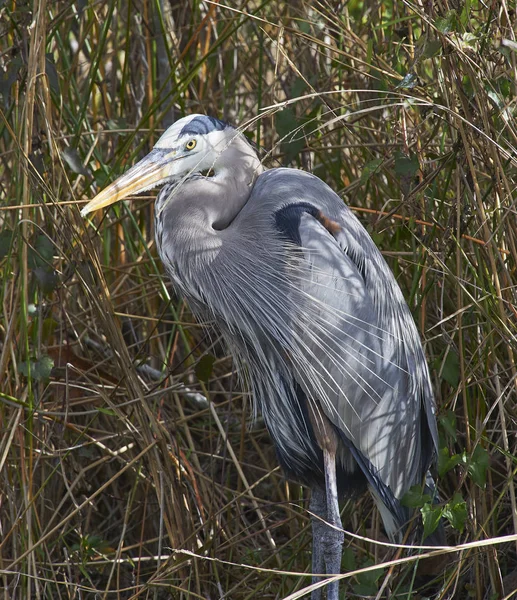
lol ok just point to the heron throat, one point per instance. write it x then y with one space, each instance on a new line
194 216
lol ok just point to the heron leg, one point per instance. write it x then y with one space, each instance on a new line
333 535
318 507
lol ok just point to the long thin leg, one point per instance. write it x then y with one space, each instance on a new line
318 507
333 536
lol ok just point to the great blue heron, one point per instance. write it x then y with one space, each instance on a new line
306 301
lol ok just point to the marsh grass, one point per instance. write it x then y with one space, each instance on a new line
117 479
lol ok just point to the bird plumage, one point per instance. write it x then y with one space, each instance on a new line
317 302
309 309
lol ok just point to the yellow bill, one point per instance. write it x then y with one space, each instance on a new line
150 172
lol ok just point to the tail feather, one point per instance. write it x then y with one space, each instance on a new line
396 517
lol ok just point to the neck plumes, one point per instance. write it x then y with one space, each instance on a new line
193 217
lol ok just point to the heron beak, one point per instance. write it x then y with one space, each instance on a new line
146 174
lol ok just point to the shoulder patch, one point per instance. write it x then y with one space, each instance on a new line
287 220
201 125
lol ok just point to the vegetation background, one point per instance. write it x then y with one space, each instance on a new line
129 466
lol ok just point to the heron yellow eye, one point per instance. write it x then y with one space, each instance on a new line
190 145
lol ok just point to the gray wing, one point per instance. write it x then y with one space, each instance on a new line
339 317
361 358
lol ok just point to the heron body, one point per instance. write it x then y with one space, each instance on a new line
305 300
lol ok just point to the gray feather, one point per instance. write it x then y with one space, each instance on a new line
307 305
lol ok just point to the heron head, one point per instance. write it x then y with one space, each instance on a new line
191 145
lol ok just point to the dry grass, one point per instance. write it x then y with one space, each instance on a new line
109 467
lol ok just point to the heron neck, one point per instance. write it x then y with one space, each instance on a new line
232 183
194 218
218 200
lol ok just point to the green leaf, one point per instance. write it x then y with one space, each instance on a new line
48 329
101 178
115 124
285 122
74 161
287 127
478 466
469 41
348 562
51 73
504 50
46 278
432 48
448 423
406 165
41 252
447 24
107 411
499 102
468 87
204 367
304 26
446 462
43 367
90 545
431 518
378 237
370 169
505 86
415 497
6 240
39 369
451 368
298 88
23 368
84 571
367 582
455 512
8 78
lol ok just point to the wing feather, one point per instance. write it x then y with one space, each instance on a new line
356 344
